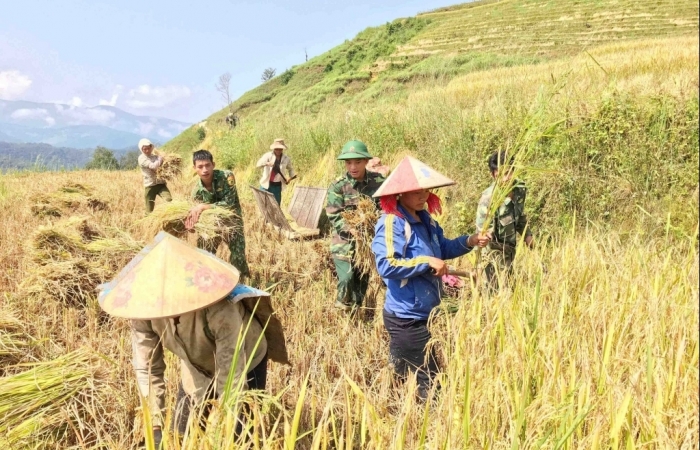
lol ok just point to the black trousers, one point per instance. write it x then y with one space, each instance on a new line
408 341
256 378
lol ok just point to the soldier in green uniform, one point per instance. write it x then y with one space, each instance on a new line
343 194
509 221
217 189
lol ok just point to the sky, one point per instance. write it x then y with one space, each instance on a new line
163 58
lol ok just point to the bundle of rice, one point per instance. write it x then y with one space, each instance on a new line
361 222
12 347
75 188
214 224
114 252
73 282
71 258
13 344
171 167
36 405
70 197
45 210
62 240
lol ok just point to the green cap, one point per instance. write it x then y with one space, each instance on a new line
354 150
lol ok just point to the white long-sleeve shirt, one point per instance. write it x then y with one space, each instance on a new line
149 165
285 166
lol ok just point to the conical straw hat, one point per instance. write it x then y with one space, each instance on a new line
412 175
167 278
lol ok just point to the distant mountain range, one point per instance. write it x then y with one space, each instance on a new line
79 127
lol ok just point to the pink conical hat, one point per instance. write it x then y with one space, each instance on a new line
412 175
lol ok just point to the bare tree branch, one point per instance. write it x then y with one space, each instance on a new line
268 74
224 88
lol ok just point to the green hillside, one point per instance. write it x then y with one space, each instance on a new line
462 39
452 85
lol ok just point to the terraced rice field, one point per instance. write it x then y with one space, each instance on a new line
548 29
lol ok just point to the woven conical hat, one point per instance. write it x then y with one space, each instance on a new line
412 175
168 278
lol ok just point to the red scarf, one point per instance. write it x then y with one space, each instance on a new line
390 205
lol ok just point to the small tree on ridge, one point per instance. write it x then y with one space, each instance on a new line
268 74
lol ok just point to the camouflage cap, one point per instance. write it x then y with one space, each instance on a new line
354 150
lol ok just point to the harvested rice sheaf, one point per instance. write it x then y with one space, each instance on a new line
214 224
70 258
73 282
67 198
13 343
37 405
171 167
361 221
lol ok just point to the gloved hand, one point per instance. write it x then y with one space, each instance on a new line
157 437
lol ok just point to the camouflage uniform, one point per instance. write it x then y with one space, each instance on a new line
225 195
507 223
344 194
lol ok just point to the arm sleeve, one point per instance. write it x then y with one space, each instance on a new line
452 248
521 226
262 161
387 246
481 213
147 164
290 168
149 366
226 323
232 202
334 206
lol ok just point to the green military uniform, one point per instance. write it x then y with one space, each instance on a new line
225 195
343 194
507 223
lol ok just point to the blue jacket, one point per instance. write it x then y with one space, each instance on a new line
412 291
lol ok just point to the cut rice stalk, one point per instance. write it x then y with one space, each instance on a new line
171 167
361 221
33 402
213 224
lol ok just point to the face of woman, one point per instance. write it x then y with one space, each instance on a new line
414 200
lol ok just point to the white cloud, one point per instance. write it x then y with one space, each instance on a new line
26 113
76 101
111 102
32 114
13 84
85 116
146 96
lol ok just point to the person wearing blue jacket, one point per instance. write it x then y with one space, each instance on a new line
410 251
